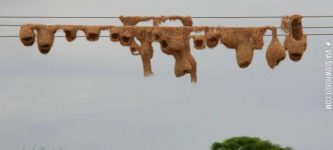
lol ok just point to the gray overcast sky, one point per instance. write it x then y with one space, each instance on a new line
85 95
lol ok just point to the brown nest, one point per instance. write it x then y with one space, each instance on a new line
45 37
199 42
212 38
92 33
228 37
249 39
27 35
275 52
115 34
146 51
295 41
133 20
175 42
70 32
186 20
126 37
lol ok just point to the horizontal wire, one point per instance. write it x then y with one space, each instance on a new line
198 17
309 27
103 36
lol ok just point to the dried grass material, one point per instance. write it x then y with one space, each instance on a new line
175 42
70 32
27 35
126 37
92 33
285 24
249 39
275 52
145 36
115 34
212 38
45 37
296 41
135 48
133 20
228 37
186 20
199 42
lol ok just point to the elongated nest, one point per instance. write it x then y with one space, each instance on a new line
144 35
45 37
92 33
199 42
296 41
212 38
275 52
175 42
249 39
70 32
27 35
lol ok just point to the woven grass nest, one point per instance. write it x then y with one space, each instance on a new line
175 42
146 51
27 35
45 37
244 40
70 32
275 52
295 41
92 33
199 42
212 38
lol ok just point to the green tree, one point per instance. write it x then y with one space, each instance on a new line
246 143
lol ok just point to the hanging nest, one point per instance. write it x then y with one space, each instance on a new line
212 38
275 52
199 42
175 42
92 33
126 37
295 41
146 51
186 20
135 48
70 32
45 37
27 35
133 20
249 39
115 34
228 37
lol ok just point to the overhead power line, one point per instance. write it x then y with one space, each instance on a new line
197 17
106 36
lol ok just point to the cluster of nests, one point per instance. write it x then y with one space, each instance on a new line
175 41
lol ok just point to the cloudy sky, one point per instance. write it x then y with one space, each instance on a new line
86 95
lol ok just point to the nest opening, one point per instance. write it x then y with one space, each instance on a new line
114 36
164 44
27 35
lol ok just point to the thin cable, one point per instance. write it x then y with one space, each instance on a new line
197 17
309 27
105 36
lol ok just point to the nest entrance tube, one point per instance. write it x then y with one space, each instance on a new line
45 37
27 35
296 41
275 52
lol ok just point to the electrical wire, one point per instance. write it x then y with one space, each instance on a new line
196 17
